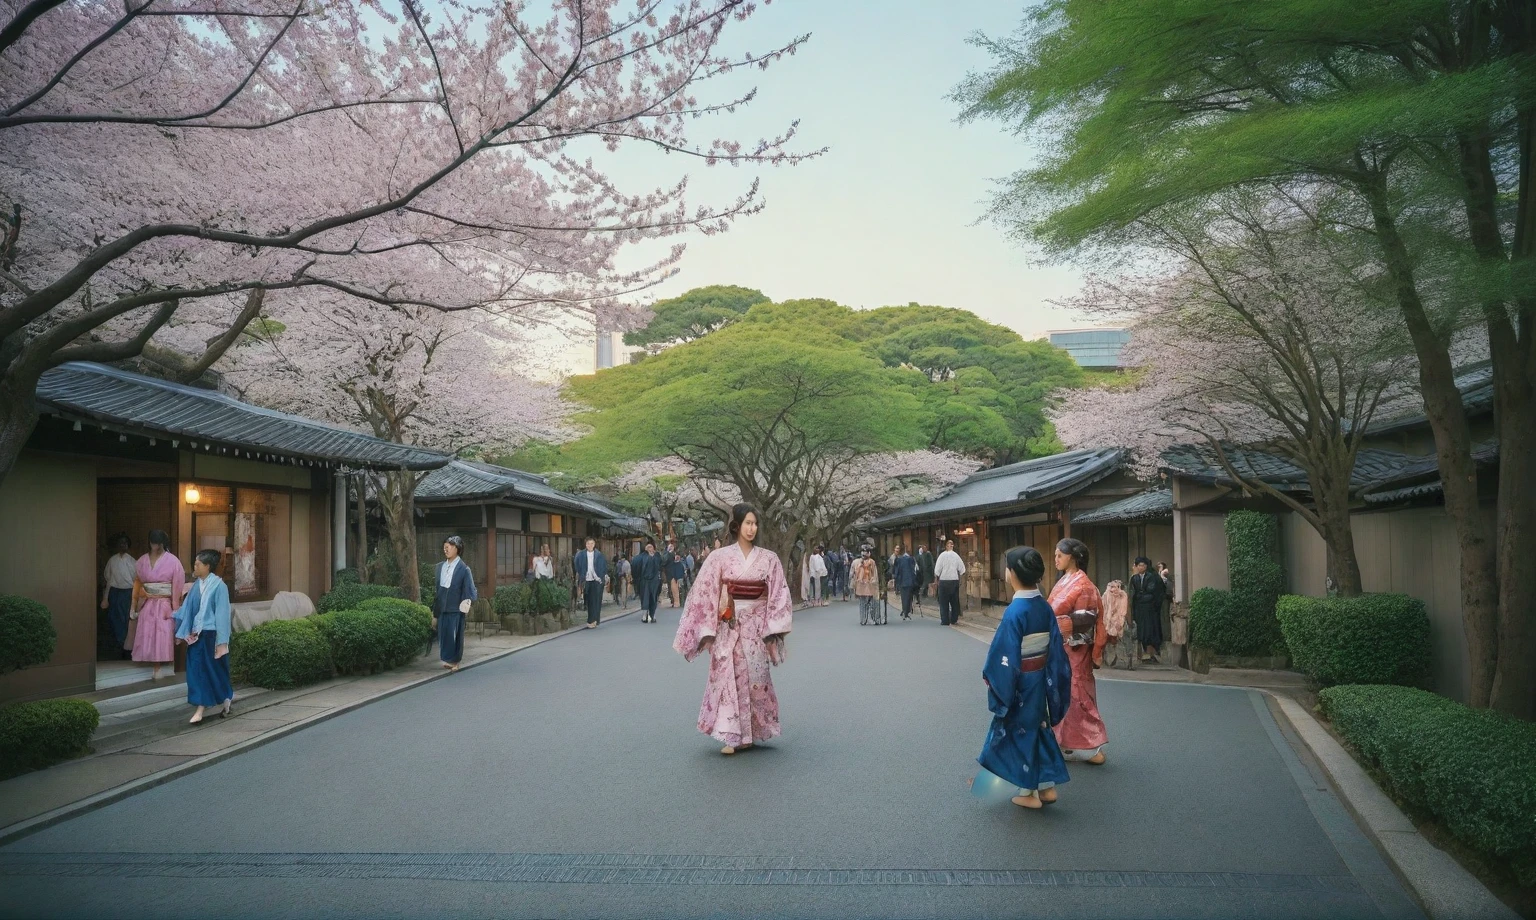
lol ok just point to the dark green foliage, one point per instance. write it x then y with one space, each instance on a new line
426 576
281 655
36 735
695 313
1370 639
345 577
531 599
1474 770
1242 621
26 633
386 635
348 596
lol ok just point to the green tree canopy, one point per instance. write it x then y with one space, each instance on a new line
695 313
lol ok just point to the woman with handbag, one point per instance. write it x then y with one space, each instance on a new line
1077 605
738 612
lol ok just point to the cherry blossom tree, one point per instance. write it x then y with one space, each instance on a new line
161 158
1261 336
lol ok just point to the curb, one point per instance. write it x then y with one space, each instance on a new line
1443 888
47 819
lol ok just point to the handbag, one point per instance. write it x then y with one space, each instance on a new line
1083 627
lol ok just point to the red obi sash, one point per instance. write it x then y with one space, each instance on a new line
745 590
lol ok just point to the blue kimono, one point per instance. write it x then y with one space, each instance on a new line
1029 684
206 613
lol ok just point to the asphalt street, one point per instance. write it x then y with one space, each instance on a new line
568 780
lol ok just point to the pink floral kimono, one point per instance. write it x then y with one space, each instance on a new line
160 585
1082 730
740 707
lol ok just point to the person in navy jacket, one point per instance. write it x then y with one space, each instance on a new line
455 591
591 569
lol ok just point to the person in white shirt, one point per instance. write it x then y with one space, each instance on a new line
818 578
117 590
592 573
544 563
948 570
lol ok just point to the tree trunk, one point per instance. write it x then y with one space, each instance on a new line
1453 450
18 416
1339 537
398 501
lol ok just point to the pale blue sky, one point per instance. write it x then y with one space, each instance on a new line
890 214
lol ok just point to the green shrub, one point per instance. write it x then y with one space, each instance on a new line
513 600
347 597
281 655
27 636
421 612
1242 621
427 576
345 577
35 735
550 596
1474 770
365 641
1370 639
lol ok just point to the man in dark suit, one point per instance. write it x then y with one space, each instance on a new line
592 573
645 569
904 574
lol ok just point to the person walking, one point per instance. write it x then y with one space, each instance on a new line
1029 683
740 614
845 563
455 592
904 576
866 583
117 591
591 568
1118 650
1077 604
947 570
621 570
202 623
672 570
1147 593
159 583
645 571
818 578
925 563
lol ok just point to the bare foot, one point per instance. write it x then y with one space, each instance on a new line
1026 801
1048 795
727 750
196 716
453 667
1097 759
446 666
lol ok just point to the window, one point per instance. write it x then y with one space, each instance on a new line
248 528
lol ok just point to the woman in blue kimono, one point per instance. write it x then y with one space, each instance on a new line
1029 682
455 591
203 624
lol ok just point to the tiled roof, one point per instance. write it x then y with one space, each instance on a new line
130 403
1018 484
1200 463
1143 506
466 480
1475 381
1422 477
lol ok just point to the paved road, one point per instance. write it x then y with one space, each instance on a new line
568 781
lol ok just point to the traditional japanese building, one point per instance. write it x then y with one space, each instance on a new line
120 452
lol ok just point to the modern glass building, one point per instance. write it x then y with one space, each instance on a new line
1099 349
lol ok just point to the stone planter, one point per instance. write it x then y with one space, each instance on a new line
1252 662
1201 659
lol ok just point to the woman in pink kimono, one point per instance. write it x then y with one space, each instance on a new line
158 586
739 612
1078 608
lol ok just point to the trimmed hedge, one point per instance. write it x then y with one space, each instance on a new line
533 598
1370 639
36 735
391 633
281 655
349 596
1242 621
345 577
1474 770
27 636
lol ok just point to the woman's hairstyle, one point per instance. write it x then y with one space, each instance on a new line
1141 560
738 515
119 539
1026 565
1077 549
457 543
210 558
159 538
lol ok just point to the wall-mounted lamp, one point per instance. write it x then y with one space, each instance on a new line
193 496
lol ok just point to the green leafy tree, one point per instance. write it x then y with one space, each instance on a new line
1416 121
694 314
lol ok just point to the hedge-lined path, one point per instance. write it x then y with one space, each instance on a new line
137 745
568 780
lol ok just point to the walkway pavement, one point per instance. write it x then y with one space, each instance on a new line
568 781
146 734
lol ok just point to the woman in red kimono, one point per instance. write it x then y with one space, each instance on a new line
1077 605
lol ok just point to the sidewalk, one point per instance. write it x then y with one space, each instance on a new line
144 739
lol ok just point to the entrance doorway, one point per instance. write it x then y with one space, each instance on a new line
130 507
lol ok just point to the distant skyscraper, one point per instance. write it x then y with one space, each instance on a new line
1098 349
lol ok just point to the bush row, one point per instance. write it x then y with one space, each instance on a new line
1370 639
36 735
533 598
27 635
1474 770
378 634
